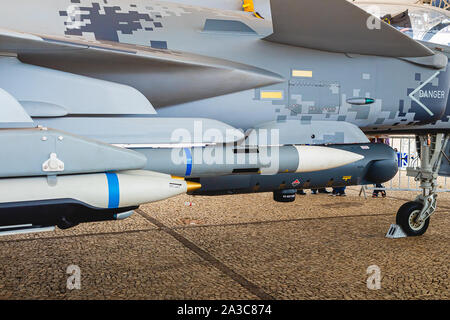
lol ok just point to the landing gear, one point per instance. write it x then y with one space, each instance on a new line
414 216
287 195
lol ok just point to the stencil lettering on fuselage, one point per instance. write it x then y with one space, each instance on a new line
430 96
314 97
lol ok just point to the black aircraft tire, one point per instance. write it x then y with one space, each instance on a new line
406 216
283 197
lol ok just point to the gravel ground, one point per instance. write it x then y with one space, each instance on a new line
236 247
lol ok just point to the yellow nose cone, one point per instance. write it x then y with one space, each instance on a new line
191 186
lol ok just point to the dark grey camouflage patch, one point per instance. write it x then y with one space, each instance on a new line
401 106
158 44
106 21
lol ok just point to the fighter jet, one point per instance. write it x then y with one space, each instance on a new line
100 92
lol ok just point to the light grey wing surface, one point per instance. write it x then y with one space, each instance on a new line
165 77
12 114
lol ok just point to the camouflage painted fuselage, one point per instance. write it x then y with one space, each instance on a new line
318 85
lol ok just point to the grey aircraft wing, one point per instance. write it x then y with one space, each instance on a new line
176 77
335 25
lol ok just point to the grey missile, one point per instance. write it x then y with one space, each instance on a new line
224 160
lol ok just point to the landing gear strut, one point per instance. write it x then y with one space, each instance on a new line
414 217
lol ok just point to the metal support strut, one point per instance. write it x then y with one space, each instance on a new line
431 152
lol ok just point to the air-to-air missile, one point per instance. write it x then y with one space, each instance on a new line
262 160
379 164
70 199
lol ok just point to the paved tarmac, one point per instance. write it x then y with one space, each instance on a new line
236 247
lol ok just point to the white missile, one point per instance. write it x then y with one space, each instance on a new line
99 190
307 159
316 158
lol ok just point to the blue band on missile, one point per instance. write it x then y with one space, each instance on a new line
113 190
188 162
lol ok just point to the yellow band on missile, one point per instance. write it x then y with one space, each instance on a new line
191 186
